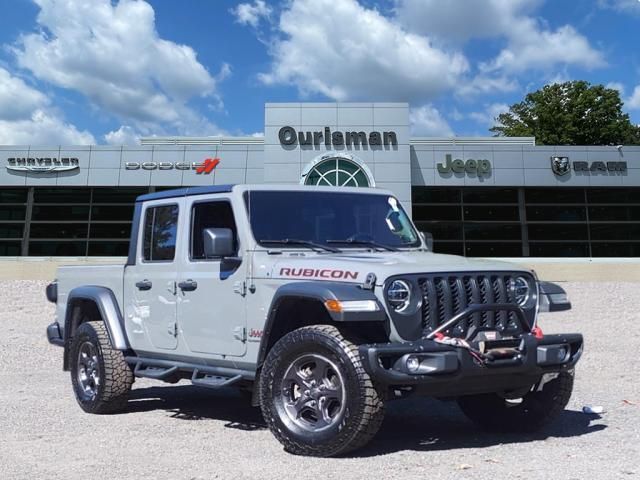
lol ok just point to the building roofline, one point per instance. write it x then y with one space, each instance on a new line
202 141
472 141
148 141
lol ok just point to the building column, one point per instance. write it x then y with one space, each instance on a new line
27 223
524 231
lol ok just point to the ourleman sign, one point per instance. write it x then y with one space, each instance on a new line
288 136
471 166
42 164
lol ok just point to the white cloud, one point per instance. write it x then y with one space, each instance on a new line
251 14
484 84
26 117
633 102
44 129
616 86
125 135
530 44
461 20
531 48
624 6
17 99
113 55
490 114
427 121
345 51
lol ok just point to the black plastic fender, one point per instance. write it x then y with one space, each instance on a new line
107 304
321 292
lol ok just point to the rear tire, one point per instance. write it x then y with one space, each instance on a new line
542 404
100 376
315 395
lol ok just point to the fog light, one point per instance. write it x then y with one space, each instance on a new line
413 363
562 354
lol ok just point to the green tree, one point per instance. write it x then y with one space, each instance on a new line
570 113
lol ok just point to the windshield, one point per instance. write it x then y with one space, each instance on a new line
342 220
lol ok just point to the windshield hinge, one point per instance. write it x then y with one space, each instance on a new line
240 287
240 333
369 281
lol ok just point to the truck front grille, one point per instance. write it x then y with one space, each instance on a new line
446 295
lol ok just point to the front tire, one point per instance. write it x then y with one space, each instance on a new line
315 395
100 376
535 409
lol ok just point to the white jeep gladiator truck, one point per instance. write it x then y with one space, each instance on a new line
323 302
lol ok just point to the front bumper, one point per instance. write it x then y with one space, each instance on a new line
54 335
446 370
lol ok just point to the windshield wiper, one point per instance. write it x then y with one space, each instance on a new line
305 243
371 243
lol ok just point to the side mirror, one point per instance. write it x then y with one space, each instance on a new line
427 238
218 242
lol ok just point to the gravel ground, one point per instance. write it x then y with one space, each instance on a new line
184 432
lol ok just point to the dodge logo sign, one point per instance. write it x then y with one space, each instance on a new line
205 167
560 165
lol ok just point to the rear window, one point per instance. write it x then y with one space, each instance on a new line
160 233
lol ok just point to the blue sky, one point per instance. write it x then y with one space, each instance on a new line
100 71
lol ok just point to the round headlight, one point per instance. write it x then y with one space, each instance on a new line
399 295
521 290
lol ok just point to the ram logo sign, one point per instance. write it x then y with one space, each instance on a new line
560 165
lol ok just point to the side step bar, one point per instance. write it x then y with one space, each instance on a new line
213 381
201 375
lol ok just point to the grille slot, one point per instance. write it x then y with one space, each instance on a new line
445 295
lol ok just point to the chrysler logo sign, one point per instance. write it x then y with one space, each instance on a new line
42 164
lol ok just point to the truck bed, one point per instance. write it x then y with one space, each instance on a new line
69 277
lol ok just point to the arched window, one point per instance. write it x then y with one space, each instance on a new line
337 171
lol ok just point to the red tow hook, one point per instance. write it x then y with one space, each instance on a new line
537 332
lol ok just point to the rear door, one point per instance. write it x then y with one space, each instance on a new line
150 284
211 309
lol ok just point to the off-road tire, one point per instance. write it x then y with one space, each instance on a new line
542 404
115 374
364 402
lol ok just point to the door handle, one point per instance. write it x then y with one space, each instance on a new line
188 285
144 284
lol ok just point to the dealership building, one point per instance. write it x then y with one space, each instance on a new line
481 197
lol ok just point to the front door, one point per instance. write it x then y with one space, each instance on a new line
150 284
211 296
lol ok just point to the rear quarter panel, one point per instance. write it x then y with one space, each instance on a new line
70 277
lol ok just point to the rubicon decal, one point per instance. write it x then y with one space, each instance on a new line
327 273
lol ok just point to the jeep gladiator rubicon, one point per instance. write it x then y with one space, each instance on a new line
323 303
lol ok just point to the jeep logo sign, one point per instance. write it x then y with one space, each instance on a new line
470 166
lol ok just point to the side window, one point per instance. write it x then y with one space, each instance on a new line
210 215
160 232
